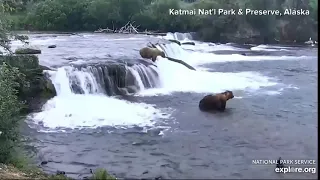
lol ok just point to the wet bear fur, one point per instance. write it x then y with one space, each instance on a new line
215 102
151 53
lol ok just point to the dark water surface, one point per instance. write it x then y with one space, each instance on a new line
260 125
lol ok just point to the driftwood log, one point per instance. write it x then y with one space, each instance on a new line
181 62
175 41
129 28
151 45
188 43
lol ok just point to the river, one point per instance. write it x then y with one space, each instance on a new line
158 131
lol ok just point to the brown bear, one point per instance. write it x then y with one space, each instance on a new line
151 53
215 102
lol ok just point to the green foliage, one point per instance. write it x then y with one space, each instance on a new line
102 8
10 107
57 15
73 15
11 80
102 174
5 26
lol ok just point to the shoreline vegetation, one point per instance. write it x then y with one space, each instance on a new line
11 172
24 86
287 21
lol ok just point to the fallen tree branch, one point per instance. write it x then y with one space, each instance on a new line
181 62
128 28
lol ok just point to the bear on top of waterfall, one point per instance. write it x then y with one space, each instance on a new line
151 53
215 102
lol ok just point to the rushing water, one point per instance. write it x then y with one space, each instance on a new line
140 119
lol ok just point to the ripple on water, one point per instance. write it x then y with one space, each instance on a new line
261 124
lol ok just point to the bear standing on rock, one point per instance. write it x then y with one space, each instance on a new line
151 53
215 102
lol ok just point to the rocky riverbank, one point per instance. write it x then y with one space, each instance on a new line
38 88
10 172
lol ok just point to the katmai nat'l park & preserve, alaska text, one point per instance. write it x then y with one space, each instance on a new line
286 12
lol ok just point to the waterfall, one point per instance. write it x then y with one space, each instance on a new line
111 79
180 36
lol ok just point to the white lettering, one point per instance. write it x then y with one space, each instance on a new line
206 12
262 12
179 12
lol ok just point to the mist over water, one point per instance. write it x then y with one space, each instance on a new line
113 103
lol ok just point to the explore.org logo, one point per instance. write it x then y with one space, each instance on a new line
289 169
289 165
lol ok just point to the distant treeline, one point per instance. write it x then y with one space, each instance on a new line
153 15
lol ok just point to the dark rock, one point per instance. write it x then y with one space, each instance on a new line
159 177
27 51
44 162
145 172
132 89
279 163
45 67
48 87
60 173
52 46
188 43
175 41
40 87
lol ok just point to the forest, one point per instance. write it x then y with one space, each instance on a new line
153 15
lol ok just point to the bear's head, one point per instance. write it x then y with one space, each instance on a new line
162 54
228 94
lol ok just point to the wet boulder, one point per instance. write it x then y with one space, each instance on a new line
52 46
27 50
39 87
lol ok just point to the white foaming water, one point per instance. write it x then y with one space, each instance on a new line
177 78
199 58
179 36
35 42
92 109
76 111
205 47
267 48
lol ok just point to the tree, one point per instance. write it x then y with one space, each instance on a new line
10 106
5 33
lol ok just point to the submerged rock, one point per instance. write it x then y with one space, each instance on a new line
27 51
44 162
60 173
52 46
